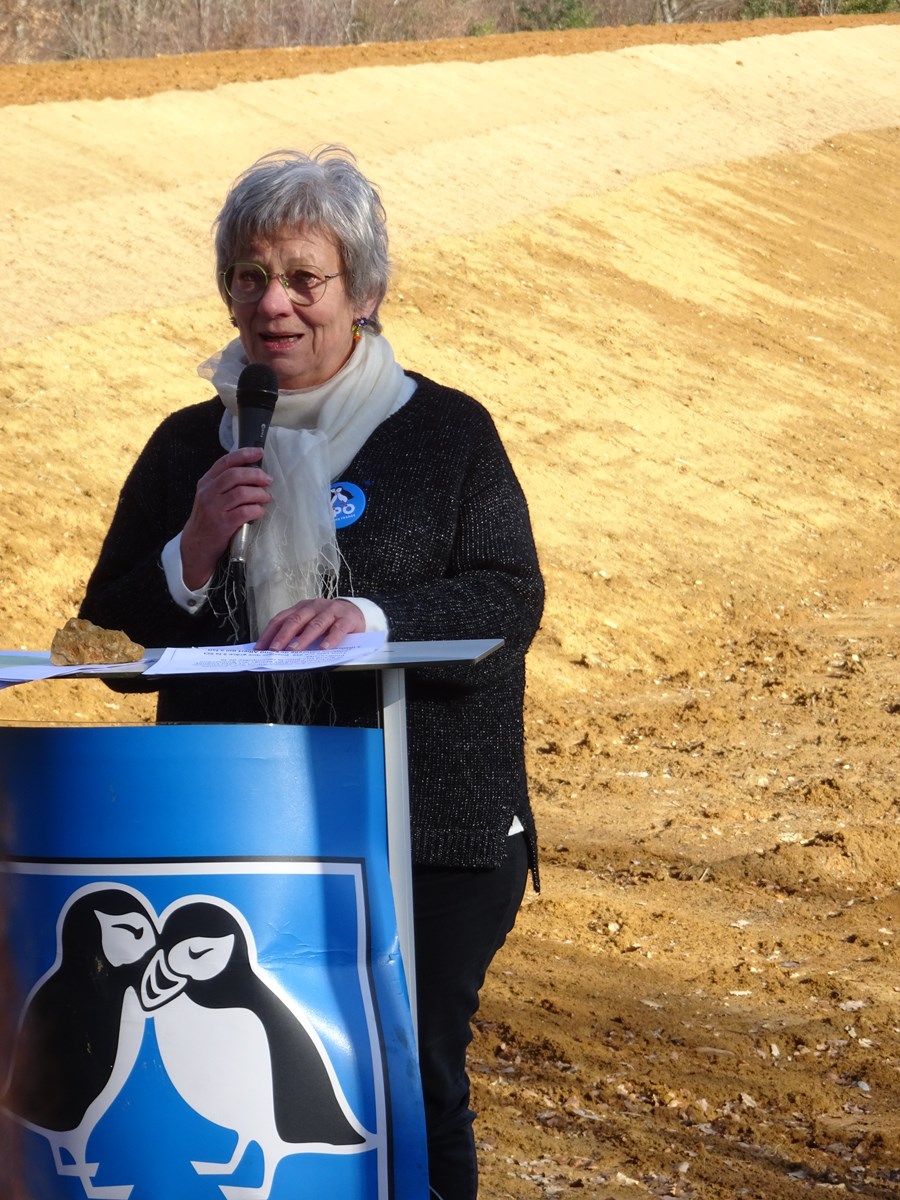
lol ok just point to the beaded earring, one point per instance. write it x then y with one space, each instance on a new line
358 326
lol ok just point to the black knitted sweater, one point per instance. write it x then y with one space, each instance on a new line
444 546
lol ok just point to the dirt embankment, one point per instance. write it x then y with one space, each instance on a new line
120 79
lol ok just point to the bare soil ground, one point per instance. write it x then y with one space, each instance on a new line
667 260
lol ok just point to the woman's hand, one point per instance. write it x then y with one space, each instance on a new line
231 493
299 626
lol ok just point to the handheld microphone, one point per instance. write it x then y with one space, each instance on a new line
257 394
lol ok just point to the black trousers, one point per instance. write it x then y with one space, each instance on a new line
461 920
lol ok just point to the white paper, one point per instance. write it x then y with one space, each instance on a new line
214 660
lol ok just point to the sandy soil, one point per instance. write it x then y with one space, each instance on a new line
667 261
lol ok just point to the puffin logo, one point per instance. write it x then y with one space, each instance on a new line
234 1049
238 1051
82 1026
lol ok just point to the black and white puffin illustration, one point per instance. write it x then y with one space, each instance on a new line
235 1051
82 1026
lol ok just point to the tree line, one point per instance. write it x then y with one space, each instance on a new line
41 30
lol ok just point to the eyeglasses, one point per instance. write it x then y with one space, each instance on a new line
246 282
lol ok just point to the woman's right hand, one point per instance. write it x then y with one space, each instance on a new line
233 492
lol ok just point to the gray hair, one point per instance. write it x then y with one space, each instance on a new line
324 191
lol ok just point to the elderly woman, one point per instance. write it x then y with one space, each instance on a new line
439 546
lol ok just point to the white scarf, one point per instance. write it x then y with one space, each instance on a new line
316 432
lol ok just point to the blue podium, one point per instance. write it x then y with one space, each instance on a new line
207 959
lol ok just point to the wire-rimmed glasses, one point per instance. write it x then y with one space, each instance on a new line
246 283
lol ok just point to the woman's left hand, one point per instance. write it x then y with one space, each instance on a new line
326 621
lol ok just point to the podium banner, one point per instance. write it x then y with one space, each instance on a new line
202 989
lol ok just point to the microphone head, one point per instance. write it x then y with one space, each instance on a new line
257 387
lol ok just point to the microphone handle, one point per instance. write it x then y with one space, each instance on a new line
253 426
240 544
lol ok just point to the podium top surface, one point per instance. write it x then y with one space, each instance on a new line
24 666
423 654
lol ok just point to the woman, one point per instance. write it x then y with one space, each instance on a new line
441 547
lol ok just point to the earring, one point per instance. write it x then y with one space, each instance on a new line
358 326
233 321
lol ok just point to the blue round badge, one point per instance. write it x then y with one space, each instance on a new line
348 503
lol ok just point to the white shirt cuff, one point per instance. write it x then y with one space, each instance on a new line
374 617
190 601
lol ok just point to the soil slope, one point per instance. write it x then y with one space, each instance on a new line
666 259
